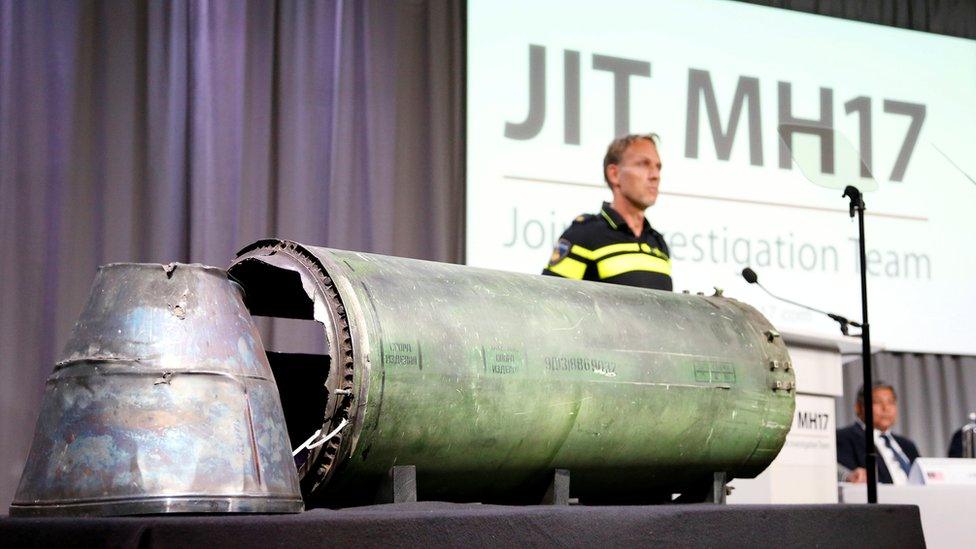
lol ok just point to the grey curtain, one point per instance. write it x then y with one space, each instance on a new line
180 131
935 395
949 17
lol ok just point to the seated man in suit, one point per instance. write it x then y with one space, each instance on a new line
955 445
895 453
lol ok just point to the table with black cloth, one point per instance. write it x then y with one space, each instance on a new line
473 525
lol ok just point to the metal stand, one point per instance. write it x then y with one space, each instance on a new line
558 491
706 491
857 206
719 489
399 486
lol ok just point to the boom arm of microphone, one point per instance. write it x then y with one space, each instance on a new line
752 278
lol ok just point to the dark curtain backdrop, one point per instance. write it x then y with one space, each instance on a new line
949 17
181 130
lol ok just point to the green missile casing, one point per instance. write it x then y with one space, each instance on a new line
486 381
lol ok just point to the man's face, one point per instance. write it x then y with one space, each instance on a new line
885 409
638 174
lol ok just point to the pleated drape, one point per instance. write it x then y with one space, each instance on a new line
183 130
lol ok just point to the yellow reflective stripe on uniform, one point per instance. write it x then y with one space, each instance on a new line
581 252
614 248
626 263
569 268
593 255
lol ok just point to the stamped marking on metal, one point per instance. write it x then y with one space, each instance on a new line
503 360
401 354
714 372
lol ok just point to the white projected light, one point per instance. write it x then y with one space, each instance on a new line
765 115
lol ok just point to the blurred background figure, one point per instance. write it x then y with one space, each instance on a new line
895 453
962 444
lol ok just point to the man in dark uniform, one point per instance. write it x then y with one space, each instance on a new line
618 245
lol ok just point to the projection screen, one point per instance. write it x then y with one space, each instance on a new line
891 111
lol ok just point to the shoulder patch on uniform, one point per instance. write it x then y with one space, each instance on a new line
560 251
583 218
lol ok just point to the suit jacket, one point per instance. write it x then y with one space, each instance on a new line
851 453
955 445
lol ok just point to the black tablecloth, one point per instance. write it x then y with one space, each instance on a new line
472 525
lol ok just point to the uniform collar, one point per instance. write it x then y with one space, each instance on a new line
617 221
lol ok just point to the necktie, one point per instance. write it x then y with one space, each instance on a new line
902 460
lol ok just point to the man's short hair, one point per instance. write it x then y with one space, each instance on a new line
874 387
619 145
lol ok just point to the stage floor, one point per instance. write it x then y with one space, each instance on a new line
465 525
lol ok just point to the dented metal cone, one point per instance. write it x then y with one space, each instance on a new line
164 402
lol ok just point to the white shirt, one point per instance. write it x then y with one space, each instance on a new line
898 475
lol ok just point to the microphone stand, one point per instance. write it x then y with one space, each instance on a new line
751 277
857 206
845 324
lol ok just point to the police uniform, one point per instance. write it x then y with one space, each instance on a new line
602 247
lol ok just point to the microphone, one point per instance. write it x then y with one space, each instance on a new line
752 278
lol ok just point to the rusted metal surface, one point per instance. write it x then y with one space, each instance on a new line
164 402
488 381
